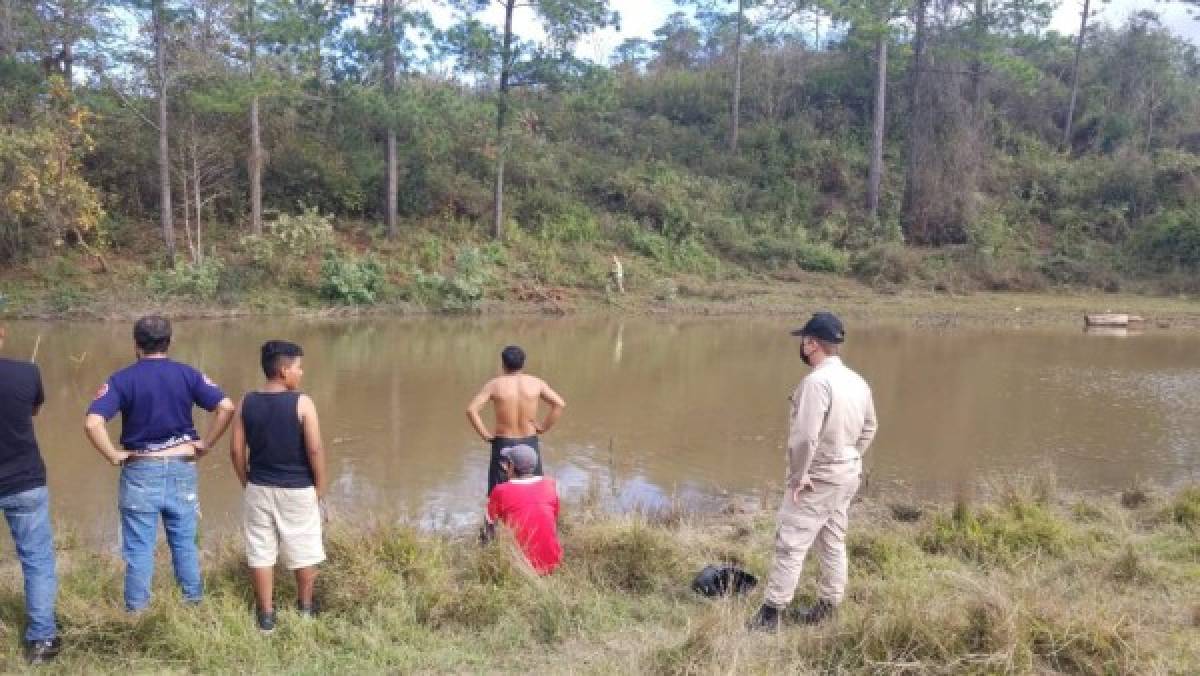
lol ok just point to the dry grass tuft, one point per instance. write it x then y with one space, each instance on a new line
1027 583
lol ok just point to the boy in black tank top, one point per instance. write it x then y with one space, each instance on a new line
278 456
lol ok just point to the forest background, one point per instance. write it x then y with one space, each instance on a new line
276 154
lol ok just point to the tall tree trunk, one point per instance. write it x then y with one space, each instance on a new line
735 114
875 174
68 47
318 63
979 28
914 228
389 89
187 214
68 57
8 38
1151 104
166 217
255 160
502 119
199 202
1083 21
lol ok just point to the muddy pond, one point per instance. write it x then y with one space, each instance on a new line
660 412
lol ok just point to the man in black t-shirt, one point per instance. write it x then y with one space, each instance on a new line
26 502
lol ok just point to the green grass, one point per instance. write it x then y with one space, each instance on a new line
1018 584
457 269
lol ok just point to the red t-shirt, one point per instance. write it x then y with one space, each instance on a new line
529 507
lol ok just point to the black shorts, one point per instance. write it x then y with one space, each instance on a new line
495 472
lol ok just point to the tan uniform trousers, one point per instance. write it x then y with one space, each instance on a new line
819 518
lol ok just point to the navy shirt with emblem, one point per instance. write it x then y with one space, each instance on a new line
155 397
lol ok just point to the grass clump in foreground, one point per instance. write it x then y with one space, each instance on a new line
1023 583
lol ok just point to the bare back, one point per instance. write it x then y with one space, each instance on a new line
515 400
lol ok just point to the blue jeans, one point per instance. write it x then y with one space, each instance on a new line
150 488
28 515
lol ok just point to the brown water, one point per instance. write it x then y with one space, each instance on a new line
657 410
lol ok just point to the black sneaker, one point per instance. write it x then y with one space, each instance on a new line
309 611
40 652
823 610
266 621
766 619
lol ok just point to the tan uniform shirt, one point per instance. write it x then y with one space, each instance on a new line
832 424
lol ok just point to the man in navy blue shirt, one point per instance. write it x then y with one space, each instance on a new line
155 396
26 504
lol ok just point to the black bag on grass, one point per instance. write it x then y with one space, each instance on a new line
716 581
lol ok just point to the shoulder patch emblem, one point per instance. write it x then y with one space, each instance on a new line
102 391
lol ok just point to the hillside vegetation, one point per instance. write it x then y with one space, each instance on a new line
977 172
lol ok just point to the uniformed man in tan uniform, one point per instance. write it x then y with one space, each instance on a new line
617 272
832 424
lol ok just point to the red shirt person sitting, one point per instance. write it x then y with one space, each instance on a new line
528 505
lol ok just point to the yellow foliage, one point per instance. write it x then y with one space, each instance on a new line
42 189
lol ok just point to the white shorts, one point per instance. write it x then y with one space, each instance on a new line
282 520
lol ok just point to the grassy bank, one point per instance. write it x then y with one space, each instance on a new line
310 269
1026 581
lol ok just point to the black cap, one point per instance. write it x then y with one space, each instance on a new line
823 326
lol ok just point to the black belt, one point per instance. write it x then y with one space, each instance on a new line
161 458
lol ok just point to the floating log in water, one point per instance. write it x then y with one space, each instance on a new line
1111 320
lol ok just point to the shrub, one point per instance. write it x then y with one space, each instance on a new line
464 290
68 296
302 233
575 224
1185 509
882 554
888 263
688 255
430 252
1082 644
674 202
996 536
778 249
350 279
472 273
629 556
236 280
1170 240
44 194
990 234
193 280
289 240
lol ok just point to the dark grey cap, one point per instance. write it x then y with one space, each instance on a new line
523 458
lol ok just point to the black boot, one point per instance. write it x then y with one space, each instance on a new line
766 619
823 610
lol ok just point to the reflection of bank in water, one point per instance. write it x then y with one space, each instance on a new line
589 476
1118 331
1112 320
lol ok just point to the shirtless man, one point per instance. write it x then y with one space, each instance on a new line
514 396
